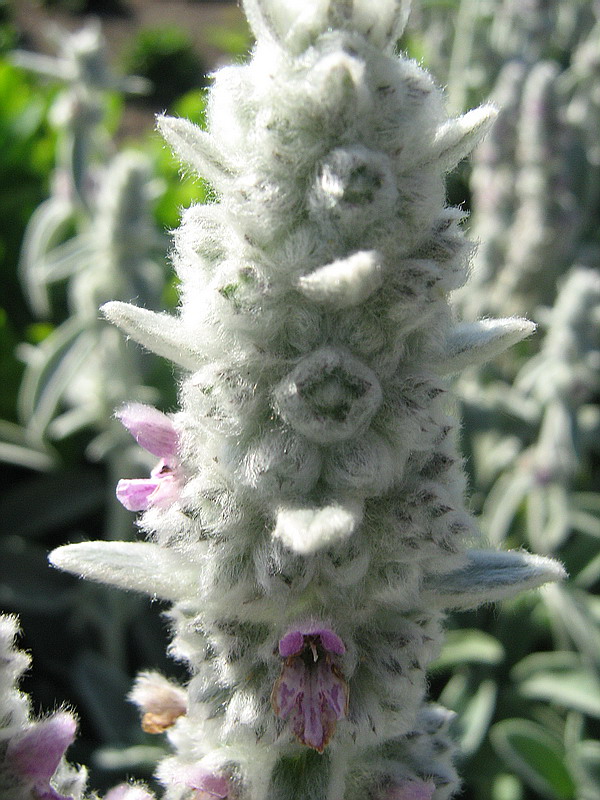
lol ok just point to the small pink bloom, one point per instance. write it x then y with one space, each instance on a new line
411 790
128 791
208 785
311 689
155 432
35 753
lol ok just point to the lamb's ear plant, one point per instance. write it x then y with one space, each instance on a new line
544 496
94 232
307 518
466 43
557 388
529 215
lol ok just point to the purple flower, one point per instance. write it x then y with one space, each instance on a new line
311 689
35 753
155 432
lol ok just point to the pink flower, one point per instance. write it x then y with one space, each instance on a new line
207 785
128 791
155 432
411 790
311 689
35 753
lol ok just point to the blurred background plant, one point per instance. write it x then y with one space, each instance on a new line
526 692
89 190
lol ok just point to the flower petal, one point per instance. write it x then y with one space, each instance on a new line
48 793
153 692
330 641
151 429
202 780
135 494
333 689
311 690
293 641
289 689
168 487
36 753
160 701
291 644
314 723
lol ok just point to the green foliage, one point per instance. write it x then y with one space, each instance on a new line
166 57
236 42
26 158
536 755
8 31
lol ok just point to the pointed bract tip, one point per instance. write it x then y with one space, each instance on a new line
457 137
489 576
162 334
474 343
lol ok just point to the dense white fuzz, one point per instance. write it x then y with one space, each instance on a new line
306 530
329 397
318 528
526 192
13 704
32 764
346 282
296 24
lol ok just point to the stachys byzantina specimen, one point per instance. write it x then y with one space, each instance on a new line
306 516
